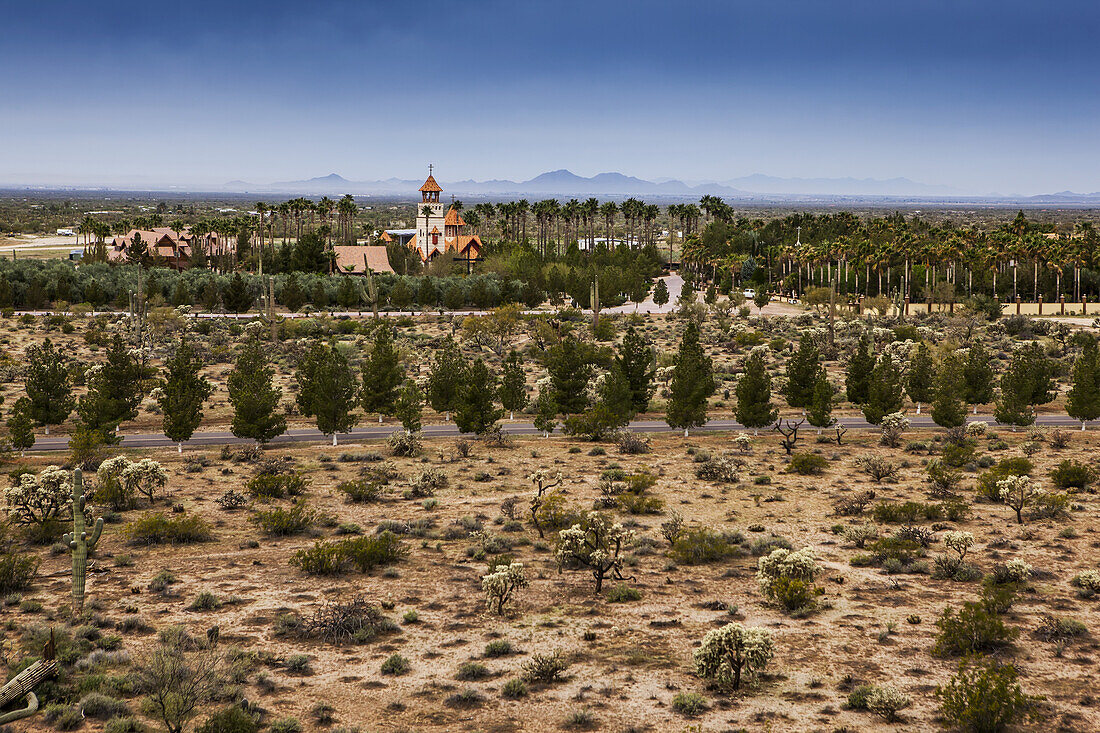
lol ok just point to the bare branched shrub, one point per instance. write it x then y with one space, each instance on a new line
356 620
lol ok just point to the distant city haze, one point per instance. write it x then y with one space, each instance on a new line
972 98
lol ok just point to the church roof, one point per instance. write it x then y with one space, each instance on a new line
453 219
430 185
435 230
357 259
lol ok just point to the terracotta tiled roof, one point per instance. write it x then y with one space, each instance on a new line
354 259
431 185
435 230
453 218
463 242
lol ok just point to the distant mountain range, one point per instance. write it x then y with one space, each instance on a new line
757 187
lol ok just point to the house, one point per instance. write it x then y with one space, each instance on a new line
354 259
166 245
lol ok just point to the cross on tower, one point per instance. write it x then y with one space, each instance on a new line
430 166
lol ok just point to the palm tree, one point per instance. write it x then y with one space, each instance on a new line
608 209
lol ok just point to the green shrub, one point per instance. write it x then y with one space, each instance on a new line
361 553
471 671
975 628
298 664
395 664
361 491
907 512
1072 475
205 601
279 522
689 703
499 648
545 668
514 689
133 725
159 528
102 707
285 725
232 719
984 697
555 513
857 698
468 698
276 485
640 503
807 464
700 546
623 593
957 454
987 482
17 571
793 594
63 717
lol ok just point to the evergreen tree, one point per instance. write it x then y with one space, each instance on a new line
857 380
612 409
948 408
820 410
291 294
255 399
570 365
319 295
1013 406
182 393
400 296
347 293
884 393
180 294
978 375
446 377
236 297
48 385
754 394
919 382
546 412
692 383
660 293
209 296
310 254
802 369
21 425
1040 369
410 403
327 389
382 374
476 413
638 365
114 389
1083 398
513 384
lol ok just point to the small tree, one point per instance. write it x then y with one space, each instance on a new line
180 677
692 383
327 389
948 408
820 412
638 364
660 293
114 389
858 371
546 412
237 296
570 364
984 697
543 483
476 412
919 380
382 374
596 544
182 393
732 652
754 394
21 425
761 299
978 375
410 403
883 391
49 387
254 397
1027 381
801 374
1083 398
1018 492
513 384
501 585
446 377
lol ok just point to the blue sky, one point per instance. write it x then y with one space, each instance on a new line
982 96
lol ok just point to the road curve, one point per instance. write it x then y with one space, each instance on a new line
448 430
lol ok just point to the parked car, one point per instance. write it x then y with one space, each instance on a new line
749 294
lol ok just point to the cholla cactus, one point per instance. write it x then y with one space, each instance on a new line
960 542
732 652
501 584
860 534
596 544
743 442
1018 492
1017 570
893 425
885 702
80 544
145 477
41 498
977 429
1088 582
784 564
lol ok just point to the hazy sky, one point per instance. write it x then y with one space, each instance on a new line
984 96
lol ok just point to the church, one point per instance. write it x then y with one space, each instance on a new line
437 232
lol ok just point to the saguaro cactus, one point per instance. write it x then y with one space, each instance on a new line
595 302
22 685
80 544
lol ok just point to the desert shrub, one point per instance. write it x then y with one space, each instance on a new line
807 464
233 719
129 724
885 702
703 545
719 469
298 664
852 506
878 468
63 717
499 648
514 689
162 580
427 482
787 577
285 725
943 480
974 629
120 480
623 593
893 426
1072 475
469 671
324 558
957 454
545 668
42 499
906 512
103 707
395 664
361 491
987 482
17 571
405 444
231 500
1060 630
733 652
633 503
689 704
356 620
361 553
861 534
159 528
897 551
555 512
276 485
984 696
632 443
280 522
1014 571
205 601
1048 506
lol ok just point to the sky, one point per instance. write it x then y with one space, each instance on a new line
984 96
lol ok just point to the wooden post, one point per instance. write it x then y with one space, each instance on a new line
1040 305
1017 305
1062 304
906 305
929 305
1084 304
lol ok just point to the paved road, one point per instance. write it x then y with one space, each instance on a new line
448 430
